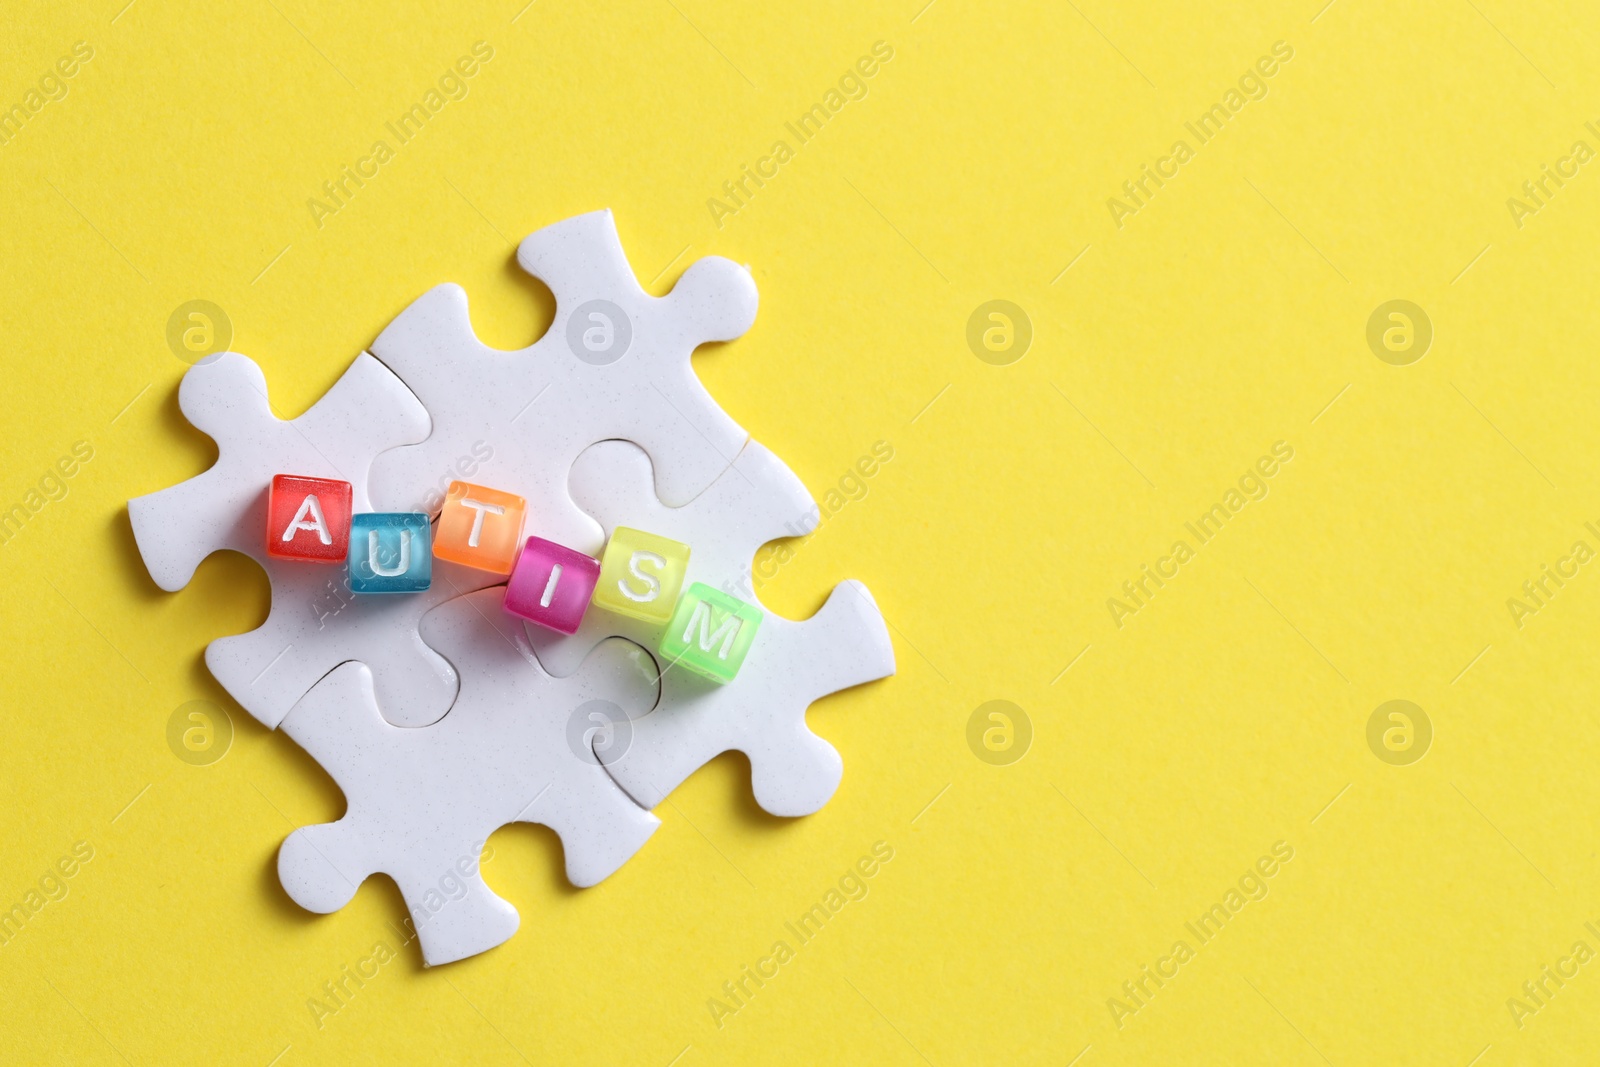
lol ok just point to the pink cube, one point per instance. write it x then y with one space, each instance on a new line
551 585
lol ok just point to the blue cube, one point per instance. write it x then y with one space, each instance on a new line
390 552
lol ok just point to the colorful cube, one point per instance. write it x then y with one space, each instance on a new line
390 552
308 519
710 633
640 574
480 527
551 585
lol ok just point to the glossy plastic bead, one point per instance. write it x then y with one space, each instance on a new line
308 519
389 552
551 585
640 574
480 527
710 633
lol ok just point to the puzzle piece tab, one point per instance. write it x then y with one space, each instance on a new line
423 801
614 364
315 624
762 711
367 411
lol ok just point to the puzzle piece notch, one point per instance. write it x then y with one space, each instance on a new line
761 712
367 411
758 499
315 622
422 801
582 259
536 409
318 621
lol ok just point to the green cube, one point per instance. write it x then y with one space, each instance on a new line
710 633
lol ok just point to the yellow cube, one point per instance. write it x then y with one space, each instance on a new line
640 575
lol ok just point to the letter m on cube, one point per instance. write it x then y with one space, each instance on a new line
710 633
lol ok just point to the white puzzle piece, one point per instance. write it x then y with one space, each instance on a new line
367 411
432 710
316 623
423 801
615 363
762 712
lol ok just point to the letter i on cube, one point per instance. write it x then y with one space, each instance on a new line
640 574
710 633
390 553
308 519
480 527
551 585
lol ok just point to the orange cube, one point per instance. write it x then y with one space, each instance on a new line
480 527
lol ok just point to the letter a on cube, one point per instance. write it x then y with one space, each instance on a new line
640 574
551 585
480 527
389 553
710 633
308 519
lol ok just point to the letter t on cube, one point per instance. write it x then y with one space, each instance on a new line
480 527
308 519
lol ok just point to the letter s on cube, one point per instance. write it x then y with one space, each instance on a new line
480 527
640 574
390 553
308 519
551 585
710 633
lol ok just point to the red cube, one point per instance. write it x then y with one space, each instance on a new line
308 519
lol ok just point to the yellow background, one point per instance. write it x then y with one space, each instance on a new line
1230 713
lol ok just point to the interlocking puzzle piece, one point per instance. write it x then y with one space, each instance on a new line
551 585
390 552
308 518
318 622
367 411
480 527
315 624
614 364
762 712
422 802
